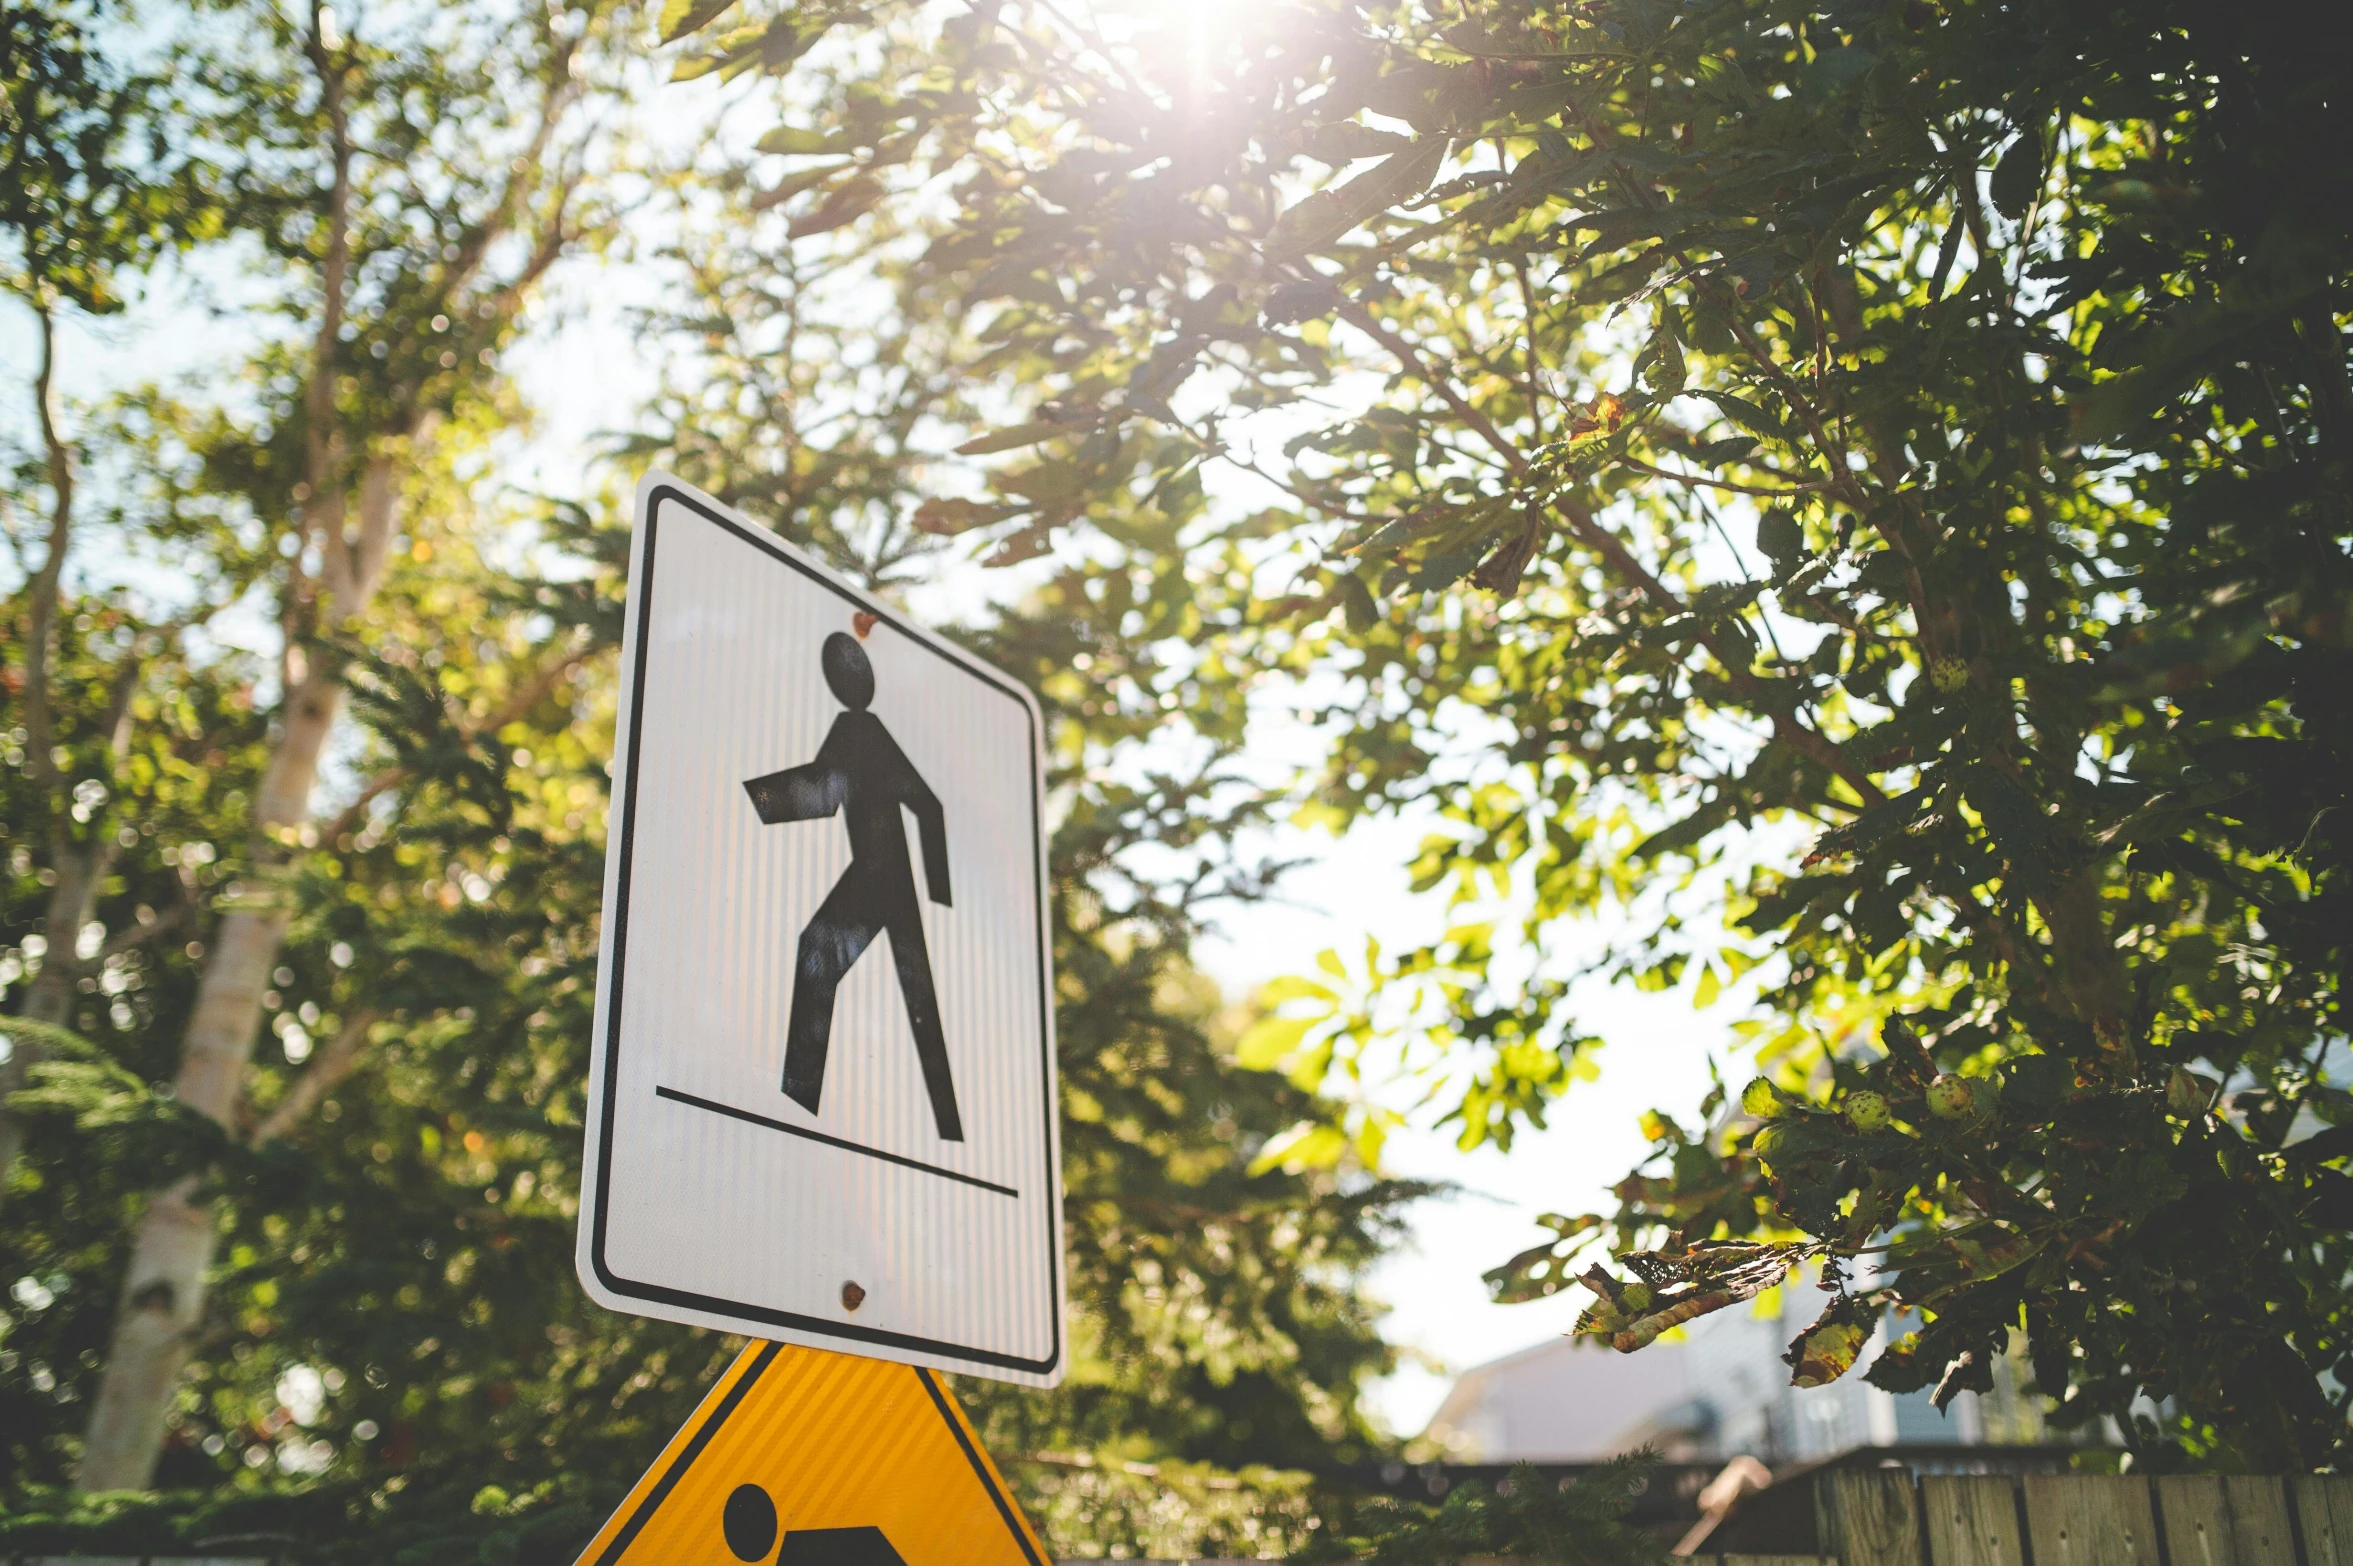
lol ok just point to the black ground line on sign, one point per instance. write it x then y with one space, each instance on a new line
745 1115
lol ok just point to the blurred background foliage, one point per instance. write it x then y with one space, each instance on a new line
393 1359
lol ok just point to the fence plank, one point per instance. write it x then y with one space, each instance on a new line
2197 1521
2324 1504
1780 1560
2259 1531
2090 1521
1868 1516
2225 1522
1971 1521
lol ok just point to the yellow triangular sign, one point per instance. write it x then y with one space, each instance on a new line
798 1457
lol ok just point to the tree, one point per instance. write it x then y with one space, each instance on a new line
2015 333
392 1360
1580 1521
392 1305
403 256
81 202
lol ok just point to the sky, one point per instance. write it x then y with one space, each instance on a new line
1655 1056
586 371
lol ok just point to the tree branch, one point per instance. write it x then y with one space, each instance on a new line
47 583
379 496
136 935
525 697
1810 743
335 1063
556 92
325 510
1695 481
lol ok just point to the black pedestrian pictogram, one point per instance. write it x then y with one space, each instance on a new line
748 1523
861 772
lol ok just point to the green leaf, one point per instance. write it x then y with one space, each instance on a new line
946 518
1661 361
680 17
799 140
1270 1041
844 204
1748 415
59 1040
2017 178
787 40
1308 1145
1292 986
1826 1350
1328 215
1304 300
1019 435
1782 540
1900 1367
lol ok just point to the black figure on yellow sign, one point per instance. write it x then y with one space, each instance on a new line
798 1457
861 772
749 1524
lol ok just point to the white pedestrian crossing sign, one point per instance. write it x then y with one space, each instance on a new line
821 1098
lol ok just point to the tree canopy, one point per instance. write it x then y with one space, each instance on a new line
1875 469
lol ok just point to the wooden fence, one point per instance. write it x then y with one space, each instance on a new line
1886 1517
1882 1517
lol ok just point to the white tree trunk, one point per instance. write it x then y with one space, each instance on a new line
163 1292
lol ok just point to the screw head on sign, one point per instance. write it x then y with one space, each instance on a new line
862 623
749 1523
852 1296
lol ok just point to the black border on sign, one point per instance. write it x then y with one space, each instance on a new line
728 1405
617 932
939 1400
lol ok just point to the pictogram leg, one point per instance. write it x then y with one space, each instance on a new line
835 938
913 958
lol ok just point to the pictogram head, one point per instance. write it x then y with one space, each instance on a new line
847 673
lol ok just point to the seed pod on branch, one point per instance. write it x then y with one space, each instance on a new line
1646 1331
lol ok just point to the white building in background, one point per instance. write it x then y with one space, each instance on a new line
1721 1392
